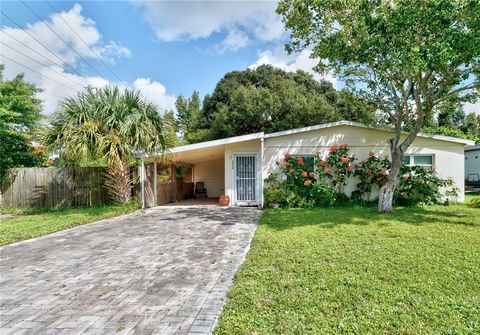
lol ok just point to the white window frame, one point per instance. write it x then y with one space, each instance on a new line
412 160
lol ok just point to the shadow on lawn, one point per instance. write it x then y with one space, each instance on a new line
333 217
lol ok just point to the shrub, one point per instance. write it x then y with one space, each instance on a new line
275 196
322 195
420 185
300 188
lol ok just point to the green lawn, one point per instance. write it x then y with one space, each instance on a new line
354 271
36 222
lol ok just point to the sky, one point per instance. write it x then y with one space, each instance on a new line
162 48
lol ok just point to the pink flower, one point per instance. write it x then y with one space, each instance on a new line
405 176
383 172
333 148
345 160
307 183
304 174
291 170
371 154
363 161
322 163
343 145
300 161
285 164
327 170
350 168
287 155
368 171
311 174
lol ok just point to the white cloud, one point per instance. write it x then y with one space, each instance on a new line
292 62
472 107
185 20
22 53
155 92
235 40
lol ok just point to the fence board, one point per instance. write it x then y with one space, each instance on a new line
55 187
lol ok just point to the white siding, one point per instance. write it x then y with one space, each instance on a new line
472 164
212 174
448 156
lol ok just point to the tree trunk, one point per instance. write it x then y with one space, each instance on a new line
385 198
119 182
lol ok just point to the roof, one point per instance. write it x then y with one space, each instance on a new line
361 125
472 148
261 135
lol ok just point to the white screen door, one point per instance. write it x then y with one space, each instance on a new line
245 179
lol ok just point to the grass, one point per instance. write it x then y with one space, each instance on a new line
354 271
29 223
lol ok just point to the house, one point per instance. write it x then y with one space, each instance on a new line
237 166
472 163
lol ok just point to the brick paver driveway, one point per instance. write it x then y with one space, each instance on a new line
165 271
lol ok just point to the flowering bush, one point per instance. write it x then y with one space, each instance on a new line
337 167
371 172
421 185
300 188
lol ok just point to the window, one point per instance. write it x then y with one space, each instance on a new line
418 160
309 163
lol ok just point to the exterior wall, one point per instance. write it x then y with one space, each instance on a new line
253 146
448 156
472 165
212 174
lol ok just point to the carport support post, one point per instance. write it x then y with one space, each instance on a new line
155 183
142 182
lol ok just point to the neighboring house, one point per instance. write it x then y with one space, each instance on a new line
238 165
472 163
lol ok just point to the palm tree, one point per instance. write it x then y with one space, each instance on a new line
108 124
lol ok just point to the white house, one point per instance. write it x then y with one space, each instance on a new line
237 166
472 163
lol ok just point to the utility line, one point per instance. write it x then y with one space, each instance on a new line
39 73
119 55
43 56
81 39
60 37
39 42
36 61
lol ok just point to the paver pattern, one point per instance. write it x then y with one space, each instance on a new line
164 271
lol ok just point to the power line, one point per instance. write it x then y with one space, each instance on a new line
33 59
43 56
81 39
40 74
119 55
60 37
39 42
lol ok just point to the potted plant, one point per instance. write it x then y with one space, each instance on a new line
224 200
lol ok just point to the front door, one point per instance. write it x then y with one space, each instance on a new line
246 184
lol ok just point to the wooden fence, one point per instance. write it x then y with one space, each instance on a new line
55 187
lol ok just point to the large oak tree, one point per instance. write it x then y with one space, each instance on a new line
409 57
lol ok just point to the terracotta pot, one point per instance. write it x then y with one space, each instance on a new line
224 200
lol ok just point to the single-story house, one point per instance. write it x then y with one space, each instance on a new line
237 166
472 163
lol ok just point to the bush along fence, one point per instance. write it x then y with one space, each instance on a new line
294 186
